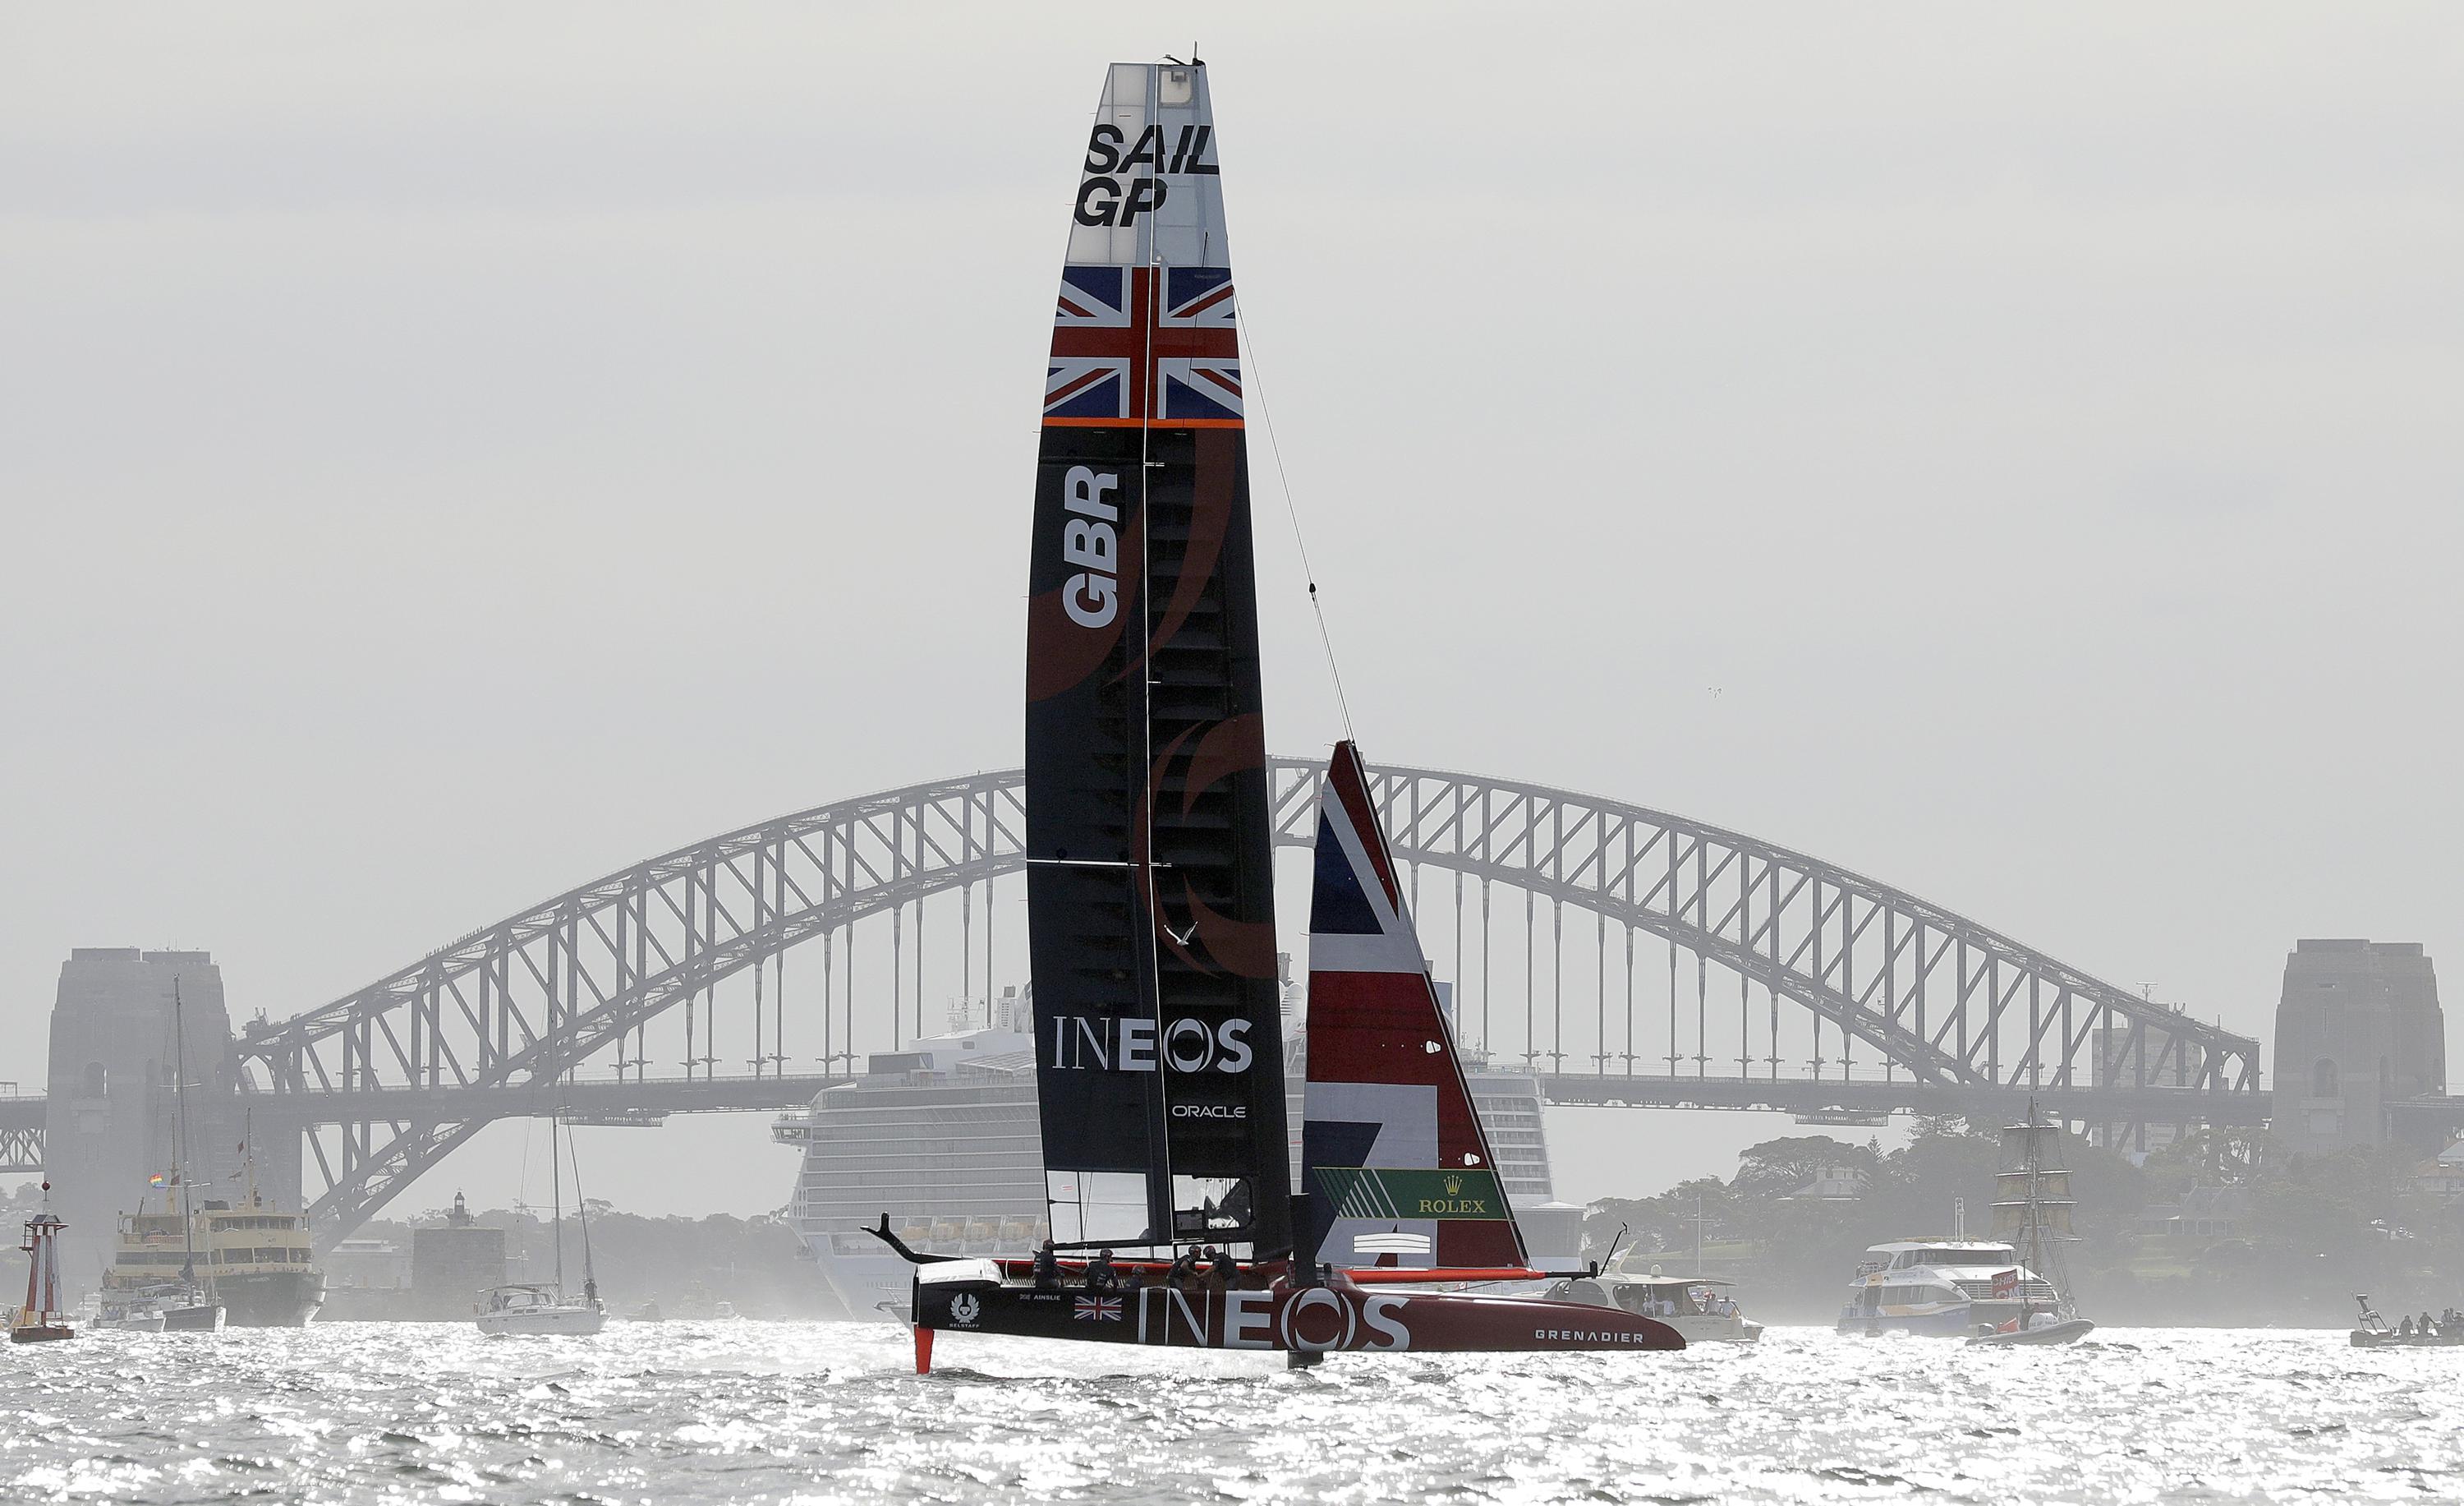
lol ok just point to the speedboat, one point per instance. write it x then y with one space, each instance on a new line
1697 1307
540 1310
2374 1332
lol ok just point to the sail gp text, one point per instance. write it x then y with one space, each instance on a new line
1115 192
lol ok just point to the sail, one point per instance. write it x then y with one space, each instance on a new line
1398 1169
1150 892
2032 1192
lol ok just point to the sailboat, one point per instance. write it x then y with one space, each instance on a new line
191 1306
1150 884
529 1308
42 1319
2032 1209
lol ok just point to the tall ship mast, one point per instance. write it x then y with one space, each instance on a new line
2032 1209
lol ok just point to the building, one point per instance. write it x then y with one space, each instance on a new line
1832 1184
2358 1031
453 1262
109 1122
2442 1176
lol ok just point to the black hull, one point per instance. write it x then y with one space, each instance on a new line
1290 1319
201 1317
270 1298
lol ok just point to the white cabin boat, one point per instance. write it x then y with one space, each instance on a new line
539 1310
1948 1288
1699 1308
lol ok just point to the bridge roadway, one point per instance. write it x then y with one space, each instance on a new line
649 1101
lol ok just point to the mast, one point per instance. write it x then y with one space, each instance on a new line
555 1198
2032 1204
1150 878
582 1217
180 1134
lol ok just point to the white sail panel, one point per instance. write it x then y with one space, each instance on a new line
1149 192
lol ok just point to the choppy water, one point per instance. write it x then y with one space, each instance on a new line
743 1411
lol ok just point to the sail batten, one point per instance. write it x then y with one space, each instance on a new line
1150 888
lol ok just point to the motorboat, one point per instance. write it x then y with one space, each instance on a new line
2373 1331
127 1313
534 1310
1698 1307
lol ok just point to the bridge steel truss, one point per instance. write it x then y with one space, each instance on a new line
387 1081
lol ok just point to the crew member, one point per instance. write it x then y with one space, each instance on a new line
1047 1269
1102 1275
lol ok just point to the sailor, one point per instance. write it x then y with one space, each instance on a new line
2404 1329
1184 1268
1047 1269
1102 1275
1227 1269
1135 1282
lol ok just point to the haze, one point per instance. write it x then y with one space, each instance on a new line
450 453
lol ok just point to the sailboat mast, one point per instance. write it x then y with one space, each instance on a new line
180 1131
556 1199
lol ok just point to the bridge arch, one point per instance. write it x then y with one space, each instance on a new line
421 1058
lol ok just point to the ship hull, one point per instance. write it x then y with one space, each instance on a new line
193 1317
1319 1320
270 1298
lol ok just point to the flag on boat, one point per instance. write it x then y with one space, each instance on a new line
1100 1309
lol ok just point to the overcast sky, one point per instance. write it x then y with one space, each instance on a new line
450 451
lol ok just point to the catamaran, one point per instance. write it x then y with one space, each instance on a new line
1150 893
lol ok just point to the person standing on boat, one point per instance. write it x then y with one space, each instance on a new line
1102 1275
1047 1269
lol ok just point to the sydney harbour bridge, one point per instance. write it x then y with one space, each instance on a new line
1625 956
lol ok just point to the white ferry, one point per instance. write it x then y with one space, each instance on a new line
942 1137
1949 1288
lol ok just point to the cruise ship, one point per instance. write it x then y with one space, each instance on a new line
942 1136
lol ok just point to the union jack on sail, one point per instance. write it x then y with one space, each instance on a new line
1118 358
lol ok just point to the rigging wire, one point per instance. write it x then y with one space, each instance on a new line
1255 387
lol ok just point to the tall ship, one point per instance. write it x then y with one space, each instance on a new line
253 1258
942 1136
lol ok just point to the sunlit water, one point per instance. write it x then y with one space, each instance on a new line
744 1411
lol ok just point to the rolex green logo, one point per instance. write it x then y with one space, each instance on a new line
1384 1193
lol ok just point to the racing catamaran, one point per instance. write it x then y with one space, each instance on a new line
1150 884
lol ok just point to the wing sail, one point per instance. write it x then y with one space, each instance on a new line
1150 892
1398 1169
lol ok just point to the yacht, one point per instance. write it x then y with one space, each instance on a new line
1948 1288
1699 1308
942 1136
536 1309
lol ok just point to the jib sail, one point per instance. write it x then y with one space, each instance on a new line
1398 1166
1150 897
